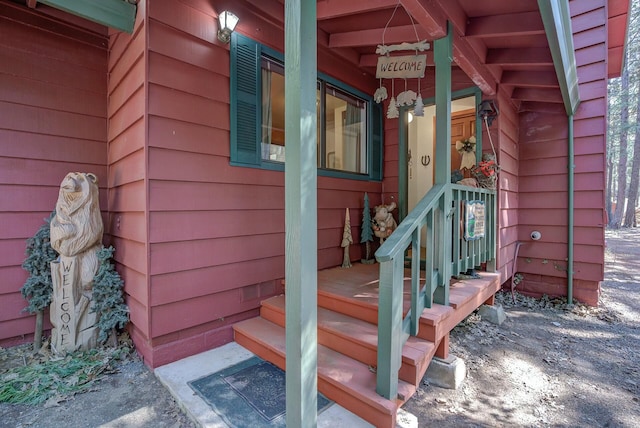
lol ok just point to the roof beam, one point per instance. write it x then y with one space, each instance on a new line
519 56
534 79
538 95
507 25
432 16
329 9
375 36
465 56
433 20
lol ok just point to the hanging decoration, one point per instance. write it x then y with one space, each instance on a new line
401 67
467 150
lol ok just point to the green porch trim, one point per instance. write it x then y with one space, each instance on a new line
557 25
116 14
301 233
443 56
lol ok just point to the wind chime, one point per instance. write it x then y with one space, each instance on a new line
403 67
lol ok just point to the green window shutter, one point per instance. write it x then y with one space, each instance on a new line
377 146
245 100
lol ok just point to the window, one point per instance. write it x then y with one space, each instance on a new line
349 123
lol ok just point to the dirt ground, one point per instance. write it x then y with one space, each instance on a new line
546 365
549 365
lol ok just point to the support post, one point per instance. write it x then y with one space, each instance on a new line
442 57
301 246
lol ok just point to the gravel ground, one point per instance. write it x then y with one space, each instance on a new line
546 365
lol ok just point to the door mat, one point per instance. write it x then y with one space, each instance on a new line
248 394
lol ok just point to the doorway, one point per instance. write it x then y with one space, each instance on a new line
421 145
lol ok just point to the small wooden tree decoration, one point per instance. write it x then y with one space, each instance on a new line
346 241
366 236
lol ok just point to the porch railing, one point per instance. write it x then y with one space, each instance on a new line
446 252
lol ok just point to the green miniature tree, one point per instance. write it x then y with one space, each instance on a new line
366 236
38 287
108 299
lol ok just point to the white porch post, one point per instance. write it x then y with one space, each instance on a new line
301 251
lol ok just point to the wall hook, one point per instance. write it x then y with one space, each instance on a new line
426 160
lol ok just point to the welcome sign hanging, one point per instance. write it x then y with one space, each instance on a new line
401 67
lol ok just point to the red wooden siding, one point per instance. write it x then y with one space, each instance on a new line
215 231
543 173
127 160
52 121
504 132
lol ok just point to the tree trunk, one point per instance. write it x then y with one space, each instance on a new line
37 335
609 191
621 194
632 201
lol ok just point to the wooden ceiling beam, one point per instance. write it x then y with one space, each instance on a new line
538 95
428 15
329 9
533 79
507 25
519 56
374 36
467 59
433 15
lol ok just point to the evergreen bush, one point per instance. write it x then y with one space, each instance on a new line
108 299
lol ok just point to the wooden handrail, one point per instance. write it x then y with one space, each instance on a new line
439 211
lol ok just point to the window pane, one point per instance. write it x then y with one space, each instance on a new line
345 132
272 111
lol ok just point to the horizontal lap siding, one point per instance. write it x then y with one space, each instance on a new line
52 121
126 154
216 231
543 181
504 132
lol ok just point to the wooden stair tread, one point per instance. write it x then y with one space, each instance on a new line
341 378
414 352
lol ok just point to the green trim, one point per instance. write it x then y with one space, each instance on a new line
246 113
557 25
112 13
570 203
443 54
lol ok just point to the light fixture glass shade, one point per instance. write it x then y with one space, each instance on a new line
227 22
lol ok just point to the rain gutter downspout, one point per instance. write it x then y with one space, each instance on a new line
571 170
557 25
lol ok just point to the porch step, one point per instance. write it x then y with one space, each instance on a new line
431 319
344 380
357 339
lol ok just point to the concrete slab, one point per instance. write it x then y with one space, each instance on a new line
494 314
448 373
175 376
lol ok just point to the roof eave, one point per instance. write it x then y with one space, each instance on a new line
557 24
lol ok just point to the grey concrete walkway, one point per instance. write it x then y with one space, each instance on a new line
175 378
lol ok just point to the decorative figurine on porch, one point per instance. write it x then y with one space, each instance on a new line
347 240
383 222
366 233
76 234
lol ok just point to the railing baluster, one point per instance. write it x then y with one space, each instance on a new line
429 262
416 306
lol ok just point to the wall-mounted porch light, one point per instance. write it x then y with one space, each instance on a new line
226 24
